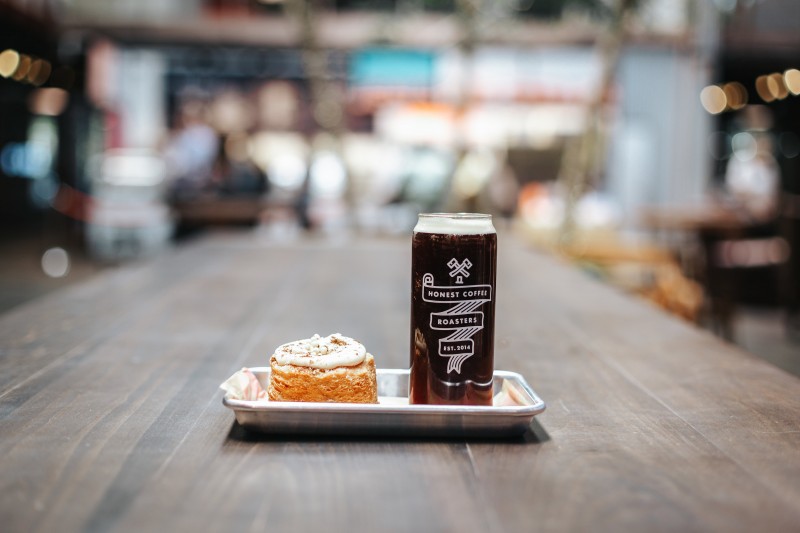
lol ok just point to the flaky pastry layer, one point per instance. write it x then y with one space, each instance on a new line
348 384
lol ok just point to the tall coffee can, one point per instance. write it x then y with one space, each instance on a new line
453 265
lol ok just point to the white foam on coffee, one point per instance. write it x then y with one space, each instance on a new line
455 224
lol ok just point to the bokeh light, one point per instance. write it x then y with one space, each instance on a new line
39 72
713 99
744 146
792 80
33 71
55 262
776 86
48 101
9 61
736 95
23 67
763 90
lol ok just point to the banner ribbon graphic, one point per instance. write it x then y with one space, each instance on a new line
463 318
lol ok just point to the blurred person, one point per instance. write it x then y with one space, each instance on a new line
499 196
752 176
471 176
303 199
425 178
233 172
327 185
191 150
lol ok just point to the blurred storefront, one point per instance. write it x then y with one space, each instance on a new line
516 80
573 119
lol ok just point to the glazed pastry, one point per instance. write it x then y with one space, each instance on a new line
323 369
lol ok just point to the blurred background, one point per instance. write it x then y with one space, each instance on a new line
653 143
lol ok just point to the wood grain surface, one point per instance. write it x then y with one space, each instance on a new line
111 419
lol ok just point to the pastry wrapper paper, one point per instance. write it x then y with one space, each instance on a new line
244 385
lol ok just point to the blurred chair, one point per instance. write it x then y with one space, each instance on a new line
743 265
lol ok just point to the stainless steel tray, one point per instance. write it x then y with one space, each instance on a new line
393 415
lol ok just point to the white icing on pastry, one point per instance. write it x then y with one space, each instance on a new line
322 353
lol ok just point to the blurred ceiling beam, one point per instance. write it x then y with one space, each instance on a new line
354 30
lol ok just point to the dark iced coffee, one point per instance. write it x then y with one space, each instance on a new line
452 309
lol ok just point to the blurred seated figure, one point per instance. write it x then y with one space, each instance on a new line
233 173
191 151
213 180
752 177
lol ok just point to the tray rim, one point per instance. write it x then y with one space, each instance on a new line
538 406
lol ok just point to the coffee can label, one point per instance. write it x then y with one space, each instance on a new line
452 309
462 317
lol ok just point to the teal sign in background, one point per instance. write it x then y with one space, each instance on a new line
392 66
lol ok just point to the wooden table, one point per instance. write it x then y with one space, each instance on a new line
111 420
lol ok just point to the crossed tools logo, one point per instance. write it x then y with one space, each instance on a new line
462 320
459 270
